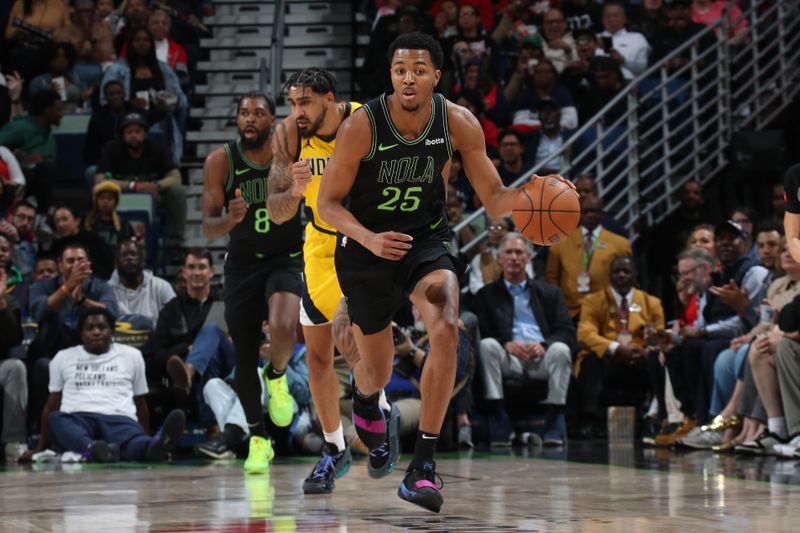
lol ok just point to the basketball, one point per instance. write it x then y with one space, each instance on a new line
546 210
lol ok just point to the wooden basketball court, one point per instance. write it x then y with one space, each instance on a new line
590 487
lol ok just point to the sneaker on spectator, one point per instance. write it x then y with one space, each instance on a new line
764 444
555 434
790 450
216 448
701 440
500 431
669 438
650 428
465 436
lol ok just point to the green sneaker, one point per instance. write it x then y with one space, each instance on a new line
281 404
261 453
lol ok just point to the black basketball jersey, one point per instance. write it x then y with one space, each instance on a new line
256 236
399 184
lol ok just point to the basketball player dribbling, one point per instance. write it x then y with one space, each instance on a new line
302 144
263 269
389 162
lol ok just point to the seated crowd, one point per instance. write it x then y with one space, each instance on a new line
97 351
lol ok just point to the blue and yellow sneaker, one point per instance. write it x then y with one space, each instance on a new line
332 464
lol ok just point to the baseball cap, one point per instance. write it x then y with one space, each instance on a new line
533 39
732 227
133 117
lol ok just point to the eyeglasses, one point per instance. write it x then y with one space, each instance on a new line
497 227
689 272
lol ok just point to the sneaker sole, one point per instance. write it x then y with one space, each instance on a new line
393 432
431 501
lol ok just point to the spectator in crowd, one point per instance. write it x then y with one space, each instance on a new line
616 333
11 85
93 42
137 163
787 357
150 84
103 219
45 17
606 82
586 185
494 101
97 405
680 29
729 366
559 46
167 50
707 12
55 305
62 77
526 333
23 218
106 15
471 42
13 377
549 139
746 217
14 282
138 292
769 244
68 230
485 267
649 19
31 139
666 240
702 236
445 19
777 204
512 163
544 85
134 15
190 343
630 49
582 15
103 124
520 19
531 51
12 180
575 75
473 101
580 264
454 207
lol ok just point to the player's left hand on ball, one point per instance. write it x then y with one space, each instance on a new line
237 208
389 244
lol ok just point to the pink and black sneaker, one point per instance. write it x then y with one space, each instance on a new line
419 487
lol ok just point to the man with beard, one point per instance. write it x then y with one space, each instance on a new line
138 292
302 145
138 164
263 268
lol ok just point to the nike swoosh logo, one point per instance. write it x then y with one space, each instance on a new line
240 171
436 224
295 254
424 436
382 148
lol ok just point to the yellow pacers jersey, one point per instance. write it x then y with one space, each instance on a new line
322 287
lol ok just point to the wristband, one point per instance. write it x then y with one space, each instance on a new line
65 290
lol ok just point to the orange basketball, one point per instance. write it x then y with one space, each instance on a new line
546 210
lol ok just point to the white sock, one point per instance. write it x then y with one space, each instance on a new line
383 402
777 426
336 437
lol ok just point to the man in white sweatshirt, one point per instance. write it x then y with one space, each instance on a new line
138 292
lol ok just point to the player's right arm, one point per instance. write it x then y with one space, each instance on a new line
215 176
353 143
287 179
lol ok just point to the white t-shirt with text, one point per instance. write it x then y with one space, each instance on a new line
103 384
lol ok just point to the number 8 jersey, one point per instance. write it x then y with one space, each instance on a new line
256 237
399 184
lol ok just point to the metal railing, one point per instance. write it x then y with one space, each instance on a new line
676 125
275 67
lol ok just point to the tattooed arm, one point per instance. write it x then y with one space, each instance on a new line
287 181
343 337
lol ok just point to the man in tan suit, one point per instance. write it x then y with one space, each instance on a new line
616 327
580 264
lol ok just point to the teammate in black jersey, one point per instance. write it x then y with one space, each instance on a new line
391 159
263 268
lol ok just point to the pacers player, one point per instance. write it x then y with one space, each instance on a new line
263 269
302 144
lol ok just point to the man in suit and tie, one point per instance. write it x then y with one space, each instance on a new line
580 264
526 334
615 331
